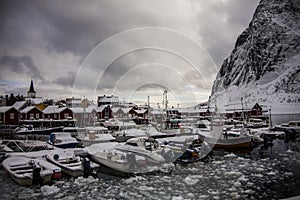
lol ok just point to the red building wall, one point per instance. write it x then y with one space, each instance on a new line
11 117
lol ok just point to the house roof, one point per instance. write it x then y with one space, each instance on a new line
29 108
108 99
140 111
126 110
19 104
53 109
4 109
81 110
101 108
36 100
116 109
158 112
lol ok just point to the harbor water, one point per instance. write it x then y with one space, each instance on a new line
267 172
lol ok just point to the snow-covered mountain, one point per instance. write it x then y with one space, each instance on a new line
264 66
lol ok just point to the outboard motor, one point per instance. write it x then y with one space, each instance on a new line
36 174
86 167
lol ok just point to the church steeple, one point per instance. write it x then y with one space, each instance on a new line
31 93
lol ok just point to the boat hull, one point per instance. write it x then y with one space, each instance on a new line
237 142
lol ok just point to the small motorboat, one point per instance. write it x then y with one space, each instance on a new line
63 140
92 137
140 155
71 164
26 171
216 138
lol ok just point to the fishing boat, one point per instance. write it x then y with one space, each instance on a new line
62 140
71 164
26 145
290 127
141 131
137 156
27 171
29 132
216 138
93 135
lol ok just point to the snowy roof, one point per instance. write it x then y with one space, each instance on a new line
140 111
115 109
126 110
100 108
4 109
192 110
158 112
81 110
108 99
36 100
29 108
19 104
53 109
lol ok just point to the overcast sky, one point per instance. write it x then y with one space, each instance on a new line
129 48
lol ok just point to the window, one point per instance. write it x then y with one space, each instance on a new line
66 115
37 115
31 116
12 115
55 115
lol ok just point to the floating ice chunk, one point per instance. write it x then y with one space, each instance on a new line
288 173
218 162
191 180
249 184
259 169
146 188
234 195
203 197
231 155
271 173
249 191
237 184
49 190
243 179
190 195
212 192
258 175
133 179
83 181
177 198
58 196
233 173
289 151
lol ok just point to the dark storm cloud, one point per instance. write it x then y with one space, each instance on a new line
66 80
50 36
20 65
221 23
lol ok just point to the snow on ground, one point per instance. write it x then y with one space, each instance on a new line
229 176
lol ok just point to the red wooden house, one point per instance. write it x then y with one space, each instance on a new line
31 112
9 115
57 113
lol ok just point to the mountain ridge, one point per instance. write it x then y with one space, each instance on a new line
264 66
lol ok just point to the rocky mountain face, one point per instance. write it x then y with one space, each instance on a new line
264 66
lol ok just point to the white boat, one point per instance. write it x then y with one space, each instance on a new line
92 137
26 171
118 125
136 156
216 138
141 131
292 127
70 163
62 140
26 145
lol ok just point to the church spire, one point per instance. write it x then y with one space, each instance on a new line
31 93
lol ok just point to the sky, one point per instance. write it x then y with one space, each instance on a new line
129 48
